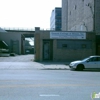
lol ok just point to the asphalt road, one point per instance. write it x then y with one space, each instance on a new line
48 84
20 81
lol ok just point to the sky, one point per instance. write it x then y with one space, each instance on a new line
27 14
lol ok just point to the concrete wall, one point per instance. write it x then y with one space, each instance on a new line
64 15
80 16
97 17
8 37
15 35
39 36
37 47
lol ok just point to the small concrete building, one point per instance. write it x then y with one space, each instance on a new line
63 45
15 39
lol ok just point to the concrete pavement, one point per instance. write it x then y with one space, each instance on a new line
27 62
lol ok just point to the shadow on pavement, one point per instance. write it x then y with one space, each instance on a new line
54 63
91 70
88 70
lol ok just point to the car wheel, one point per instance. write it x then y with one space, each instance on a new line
80 67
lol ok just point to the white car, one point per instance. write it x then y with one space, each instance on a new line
87 63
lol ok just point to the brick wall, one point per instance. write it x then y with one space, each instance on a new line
8 37
60 54
74 54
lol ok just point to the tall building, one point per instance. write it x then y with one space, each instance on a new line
64 15
55 19
81 15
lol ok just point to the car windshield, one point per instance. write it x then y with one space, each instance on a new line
86 59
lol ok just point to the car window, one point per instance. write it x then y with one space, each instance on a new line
98 58
93 59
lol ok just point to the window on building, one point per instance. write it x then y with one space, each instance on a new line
69 44
75 7
70 13
64 45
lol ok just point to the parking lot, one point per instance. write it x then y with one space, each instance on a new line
18 58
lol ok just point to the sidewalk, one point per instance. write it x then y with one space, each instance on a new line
23 62
32 66
55 65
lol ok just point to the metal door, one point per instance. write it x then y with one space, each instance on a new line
14 46
47 50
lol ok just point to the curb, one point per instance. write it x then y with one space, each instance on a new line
56 69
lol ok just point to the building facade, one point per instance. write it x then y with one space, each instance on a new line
55 19
81 15
15 40
64 15
63 45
